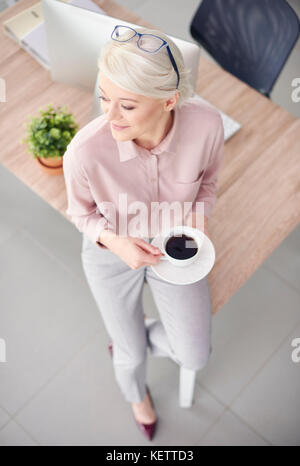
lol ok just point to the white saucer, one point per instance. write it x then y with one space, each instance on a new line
190 273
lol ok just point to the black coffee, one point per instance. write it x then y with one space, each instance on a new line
181 247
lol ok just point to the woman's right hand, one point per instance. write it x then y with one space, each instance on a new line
136 252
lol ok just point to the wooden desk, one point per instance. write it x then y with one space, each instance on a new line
259 183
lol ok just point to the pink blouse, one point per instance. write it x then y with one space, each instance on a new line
110 184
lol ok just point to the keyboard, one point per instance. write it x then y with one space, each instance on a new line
230 126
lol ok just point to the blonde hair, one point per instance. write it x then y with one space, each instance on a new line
148 74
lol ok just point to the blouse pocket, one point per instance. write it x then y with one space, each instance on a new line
186 191
195 182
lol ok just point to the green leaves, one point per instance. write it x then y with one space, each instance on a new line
55 133
49 134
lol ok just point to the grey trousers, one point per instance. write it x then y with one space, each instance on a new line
182 333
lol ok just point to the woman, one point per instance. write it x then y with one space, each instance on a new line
154 142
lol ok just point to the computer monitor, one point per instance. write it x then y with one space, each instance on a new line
75 37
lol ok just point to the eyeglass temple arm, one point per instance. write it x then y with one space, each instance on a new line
168 49
173 63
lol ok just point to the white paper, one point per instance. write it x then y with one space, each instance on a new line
36 41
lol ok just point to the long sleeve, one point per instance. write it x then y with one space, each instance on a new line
106 177
208 189
81 206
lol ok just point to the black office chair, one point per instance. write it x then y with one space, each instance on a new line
251 39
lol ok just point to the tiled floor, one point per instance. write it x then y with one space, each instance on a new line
58 386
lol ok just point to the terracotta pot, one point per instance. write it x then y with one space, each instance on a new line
51 165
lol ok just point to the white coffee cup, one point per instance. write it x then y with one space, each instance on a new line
196 235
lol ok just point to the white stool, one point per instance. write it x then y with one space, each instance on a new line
187 379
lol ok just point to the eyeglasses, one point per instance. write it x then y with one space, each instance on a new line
146 42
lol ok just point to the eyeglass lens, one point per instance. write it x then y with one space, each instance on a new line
123 33
147 42
150 43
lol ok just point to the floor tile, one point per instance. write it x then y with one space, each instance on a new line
50 229
83 405
285 260
173 18
13 435
246 332
131 5
46 316
231 431
4 418
282 91
271 402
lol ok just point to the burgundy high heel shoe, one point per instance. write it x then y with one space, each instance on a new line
147 429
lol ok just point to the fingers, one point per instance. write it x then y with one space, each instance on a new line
149 255
148 247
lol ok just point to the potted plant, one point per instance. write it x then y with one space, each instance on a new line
48 137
